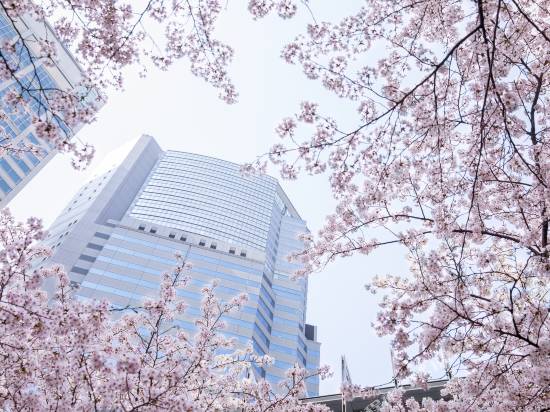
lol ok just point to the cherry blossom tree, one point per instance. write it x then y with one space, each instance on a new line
60 353
447 155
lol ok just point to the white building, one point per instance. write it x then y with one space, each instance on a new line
122 229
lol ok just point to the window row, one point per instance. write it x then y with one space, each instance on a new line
235 182
199 212
155 285
202 242
204 202
220 166
153 245
199 229
197 185
197 269
206 192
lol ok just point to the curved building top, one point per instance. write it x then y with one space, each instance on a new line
213 198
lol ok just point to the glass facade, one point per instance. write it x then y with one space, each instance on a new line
16 127
208 196
235 229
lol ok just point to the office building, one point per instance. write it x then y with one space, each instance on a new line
121 230
17 168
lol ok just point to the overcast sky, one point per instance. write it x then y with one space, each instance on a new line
183 113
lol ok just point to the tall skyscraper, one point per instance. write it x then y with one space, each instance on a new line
16 127
121 230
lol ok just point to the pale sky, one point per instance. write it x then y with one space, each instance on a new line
183 113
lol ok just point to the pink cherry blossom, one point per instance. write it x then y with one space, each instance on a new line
60 353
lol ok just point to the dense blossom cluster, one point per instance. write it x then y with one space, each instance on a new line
59 353
450 157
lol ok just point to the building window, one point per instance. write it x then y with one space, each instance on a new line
22 165
213 246
172 235
32 158
183 238
79 270
94 246
141 227
10 171
202 243
153 230
87 258
4 186
243 253
232 251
